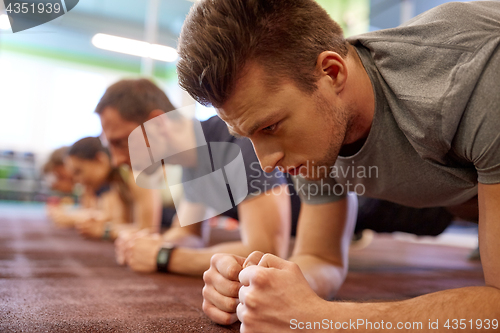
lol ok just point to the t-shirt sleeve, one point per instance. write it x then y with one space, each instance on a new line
486 157
316 192
478 138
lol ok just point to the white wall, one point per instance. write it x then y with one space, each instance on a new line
45 104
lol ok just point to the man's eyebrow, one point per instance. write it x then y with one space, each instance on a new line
256 126
270 118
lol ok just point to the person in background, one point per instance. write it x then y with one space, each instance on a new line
263 216
120 114
61 203
264 219
61 181
89 164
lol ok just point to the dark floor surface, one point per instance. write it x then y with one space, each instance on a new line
51 280
389 269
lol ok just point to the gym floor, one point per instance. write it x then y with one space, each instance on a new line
52 280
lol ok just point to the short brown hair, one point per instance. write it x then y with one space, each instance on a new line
134 99
87 148
56 159
220 37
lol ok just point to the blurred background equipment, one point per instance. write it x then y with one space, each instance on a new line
19 177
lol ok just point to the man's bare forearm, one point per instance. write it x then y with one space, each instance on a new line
471 309
194 262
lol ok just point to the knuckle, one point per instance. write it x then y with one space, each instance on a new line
254 257
206 276
260 277
226 319
267 256
219 317
251 301
232 271
231 304
295 267
206 307
215 258
234 288
205 292
257 253
245 317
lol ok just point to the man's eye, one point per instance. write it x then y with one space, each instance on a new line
270 128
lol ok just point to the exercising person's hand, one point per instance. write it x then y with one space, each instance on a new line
274 291
220 293
142 252
91 225
125 236
60 217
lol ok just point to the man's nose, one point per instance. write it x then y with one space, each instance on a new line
268 155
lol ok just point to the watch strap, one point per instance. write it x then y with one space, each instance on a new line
107 230
163 258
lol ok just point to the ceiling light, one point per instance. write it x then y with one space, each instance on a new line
135 47
163 53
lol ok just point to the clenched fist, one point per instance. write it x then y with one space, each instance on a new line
220 293
142 252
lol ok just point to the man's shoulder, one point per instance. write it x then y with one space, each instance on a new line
429 67
455 25
459 12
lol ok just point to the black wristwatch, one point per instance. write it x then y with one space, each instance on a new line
107 231
163 257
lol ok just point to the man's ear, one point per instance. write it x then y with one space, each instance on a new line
155 113
331 65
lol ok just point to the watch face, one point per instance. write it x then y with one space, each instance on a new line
162 257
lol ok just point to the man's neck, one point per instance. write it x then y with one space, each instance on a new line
362 105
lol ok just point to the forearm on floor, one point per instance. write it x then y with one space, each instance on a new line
469 309
188 261
116 225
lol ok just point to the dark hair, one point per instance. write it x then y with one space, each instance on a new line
284 36
55 159
87 148
134 99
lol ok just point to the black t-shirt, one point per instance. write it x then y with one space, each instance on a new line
212 157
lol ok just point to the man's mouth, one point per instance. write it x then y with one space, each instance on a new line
293 170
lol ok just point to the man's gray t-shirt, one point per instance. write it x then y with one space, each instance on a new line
436 128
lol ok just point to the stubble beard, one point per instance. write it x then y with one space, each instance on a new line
338 123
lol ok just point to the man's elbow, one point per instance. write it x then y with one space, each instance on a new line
328 284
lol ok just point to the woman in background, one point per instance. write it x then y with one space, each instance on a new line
89 164
61 204
60 179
